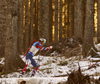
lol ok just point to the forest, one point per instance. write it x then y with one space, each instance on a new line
22 21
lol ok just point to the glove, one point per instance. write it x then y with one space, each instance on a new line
50 47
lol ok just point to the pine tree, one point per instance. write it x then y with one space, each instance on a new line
44 19
72 18
50 21
26 25
98 22
12 60
31 20
20 27
56 22
89 27
78 18
60 21
3 13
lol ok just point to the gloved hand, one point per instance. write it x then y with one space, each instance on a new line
50 47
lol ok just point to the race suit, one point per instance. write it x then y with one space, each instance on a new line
29 57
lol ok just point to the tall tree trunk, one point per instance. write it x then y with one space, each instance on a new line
89 27
68 18
31 21
98 22
56 22
35 31
60 21
72 18
78 18
44 19
3 13
65 19
20 27
26 25
50 20
83 16
12 60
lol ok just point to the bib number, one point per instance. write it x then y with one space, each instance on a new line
34 50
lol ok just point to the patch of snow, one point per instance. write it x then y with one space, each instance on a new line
50 67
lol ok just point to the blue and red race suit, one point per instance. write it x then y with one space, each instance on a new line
29 57
35 48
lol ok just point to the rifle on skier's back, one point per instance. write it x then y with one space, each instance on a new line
29 48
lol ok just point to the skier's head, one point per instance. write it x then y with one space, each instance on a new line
43 40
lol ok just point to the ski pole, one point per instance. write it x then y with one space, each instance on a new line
43 56
38 63
38 57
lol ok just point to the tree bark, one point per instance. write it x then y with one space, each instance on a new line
20 27
78 18
89 27
68 18
72 18
12 60
44 20
56 22
36 26
60 21
98 22
50 21
3 13
31 21
83 16
26 25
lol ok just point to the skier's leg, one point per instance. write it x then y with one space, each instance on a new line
33 62
26 67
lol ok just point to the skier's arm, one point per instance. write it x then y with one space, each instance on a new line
47 48
43 48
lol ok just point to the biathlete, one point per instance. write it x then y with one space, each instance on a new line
33 50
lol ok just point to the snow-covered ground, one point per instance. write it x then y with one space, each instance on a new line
54 69
34 80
